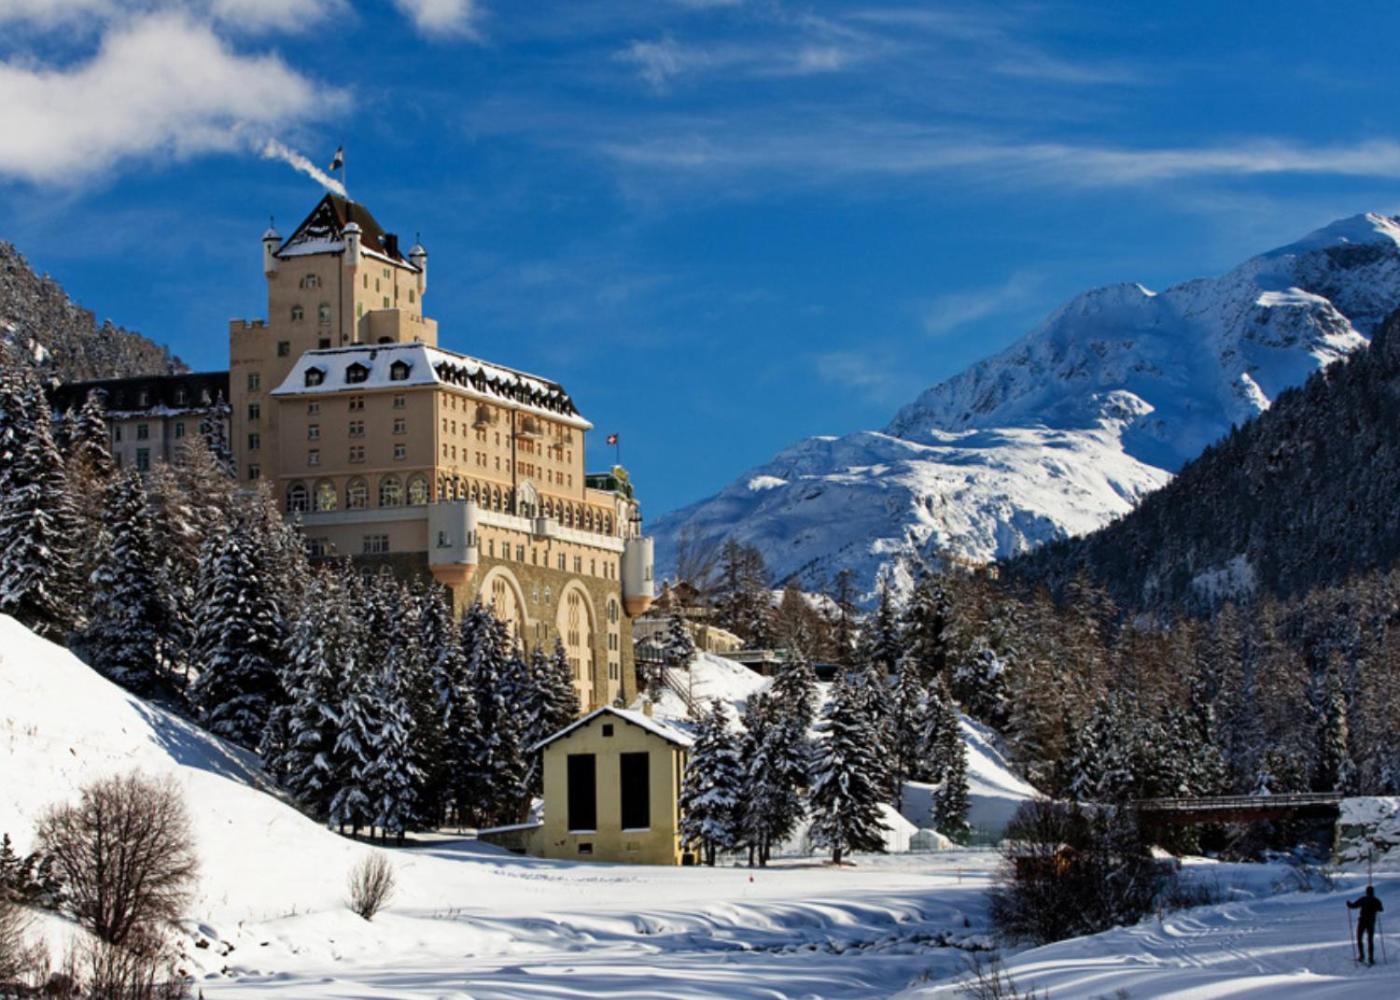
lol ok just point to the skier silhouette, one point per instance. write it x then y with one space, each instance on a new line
1369 905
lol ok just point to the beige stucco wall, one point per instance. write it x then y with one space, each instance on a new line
657 845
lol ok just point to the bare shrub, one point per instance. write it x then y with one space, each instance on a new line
988 981
1307 878
123 854
371 885
143 968
1183 894
1069 871
23 965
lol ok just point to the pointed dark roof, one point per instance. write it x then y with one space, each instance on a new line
323 231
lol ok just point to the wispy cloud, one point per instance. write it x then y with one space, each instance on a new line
661 61
949 312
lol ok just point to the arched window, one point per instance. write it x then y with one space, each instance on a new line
390 492
588 520
442 488
475 495
418 491
298 499
357 495
298 314
323 313
315 376
496 498
326 496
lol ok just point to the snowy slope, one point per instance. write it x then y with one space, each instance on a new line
1070 426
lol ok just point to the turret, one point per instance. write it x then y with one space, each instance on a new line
270 241
352 244
637 585
418 257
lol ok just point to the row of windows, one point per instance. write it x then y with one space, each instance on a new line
143 432
357 373
325 496
570 515
355 455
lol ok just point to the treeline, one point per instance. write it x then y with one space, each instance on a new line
1300 497
369 701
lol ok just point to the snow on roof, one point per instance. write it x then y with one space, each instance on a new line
654 726
431 366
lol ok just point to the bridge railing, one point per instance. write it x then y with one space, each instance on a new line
1239 802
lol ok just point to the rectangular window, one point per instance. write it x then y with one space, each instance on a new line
313 432
635 772
255 472
117 432
313 409
313 457
400 401
179 430
520 553
254 411
254 381
143 432
357 453
284 347
357 428
583 793
143 459
400 425
400 452
323 343
376 545
357 403
318 547
254 441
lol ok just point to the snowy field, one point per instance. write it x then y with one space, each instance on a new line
269 919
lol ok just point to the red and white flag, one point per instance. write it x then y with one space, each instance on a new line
613 439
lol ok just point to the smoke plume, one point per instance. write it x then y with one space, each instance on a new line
274 150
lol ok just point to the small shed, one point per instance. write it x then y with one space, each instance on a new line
612 783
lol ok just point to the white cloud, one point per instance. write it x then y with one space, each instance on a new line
160 86
664 60
947 313
442 18
245 16
274 15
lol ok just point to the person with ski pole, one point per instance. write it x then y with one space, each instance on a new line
1370 906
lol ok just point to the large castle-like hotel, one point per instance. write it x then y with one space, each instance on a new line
396 452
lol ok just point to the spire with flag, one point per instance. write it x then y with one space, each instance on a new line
616 441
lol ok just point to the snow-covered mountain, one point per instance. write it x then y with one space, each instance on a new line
1069 427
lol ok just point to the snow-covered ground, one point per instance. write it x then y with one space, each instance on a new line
269 918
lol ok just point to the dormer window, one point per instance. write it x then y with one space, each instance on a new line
315 376
398 371
356 373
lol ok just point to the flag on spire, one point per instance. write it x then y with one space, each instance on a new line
613 439
338 161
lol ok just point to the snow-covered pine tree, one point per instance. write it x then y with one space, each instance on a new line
841 622
123 634
848 779
90 471
91 443
1100 765
464 766
679 650
979 682
881 640
240 642
392 775
907 722
949 762
925 623
439 645
39 583
299 742
710 791
561 704
770 802
794 690
1335 770
495 785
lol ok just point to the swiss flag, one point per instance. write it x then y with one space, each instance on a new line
612 439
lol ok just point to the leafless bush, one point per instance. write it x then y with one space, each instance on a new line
142 968
123 854
1307 878
371 885
23 965
989 981
1183 894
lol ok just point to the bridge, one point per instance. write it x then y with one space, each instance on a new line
1240 808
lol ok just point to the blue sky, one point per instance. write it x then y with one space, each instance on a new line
724 225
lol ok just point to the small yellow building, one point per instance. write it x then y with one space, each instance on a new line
612 784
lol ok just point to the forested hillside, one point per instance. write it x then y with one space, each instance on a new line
40 321
1302 496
